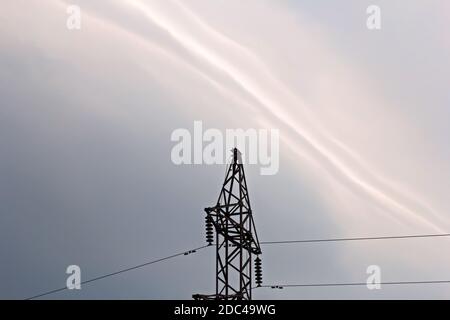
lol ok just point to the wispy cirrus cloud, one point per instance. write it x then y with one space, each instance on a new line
265 91
104 101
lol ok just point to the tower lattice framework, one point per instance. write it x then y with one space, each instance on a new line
236 239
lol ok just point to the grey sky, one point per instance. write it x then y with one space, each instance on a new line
86 118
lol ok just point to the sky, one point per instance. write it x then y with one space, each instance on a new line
86 118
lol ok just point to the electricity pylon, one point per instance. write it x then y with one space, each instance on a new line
236 238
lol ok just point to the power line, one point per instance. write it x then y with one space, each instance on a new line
122 271
269 243
281 286
342 284
357 238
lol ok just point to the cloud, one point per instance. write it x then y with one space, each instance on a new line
106 99
254 78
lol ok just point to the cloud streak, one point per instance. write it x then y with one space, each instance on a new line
253 77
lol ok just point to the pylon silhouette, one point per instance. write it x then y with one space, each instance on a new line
236 237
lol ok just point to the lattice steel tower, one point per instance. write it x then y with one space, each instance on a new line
235 235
